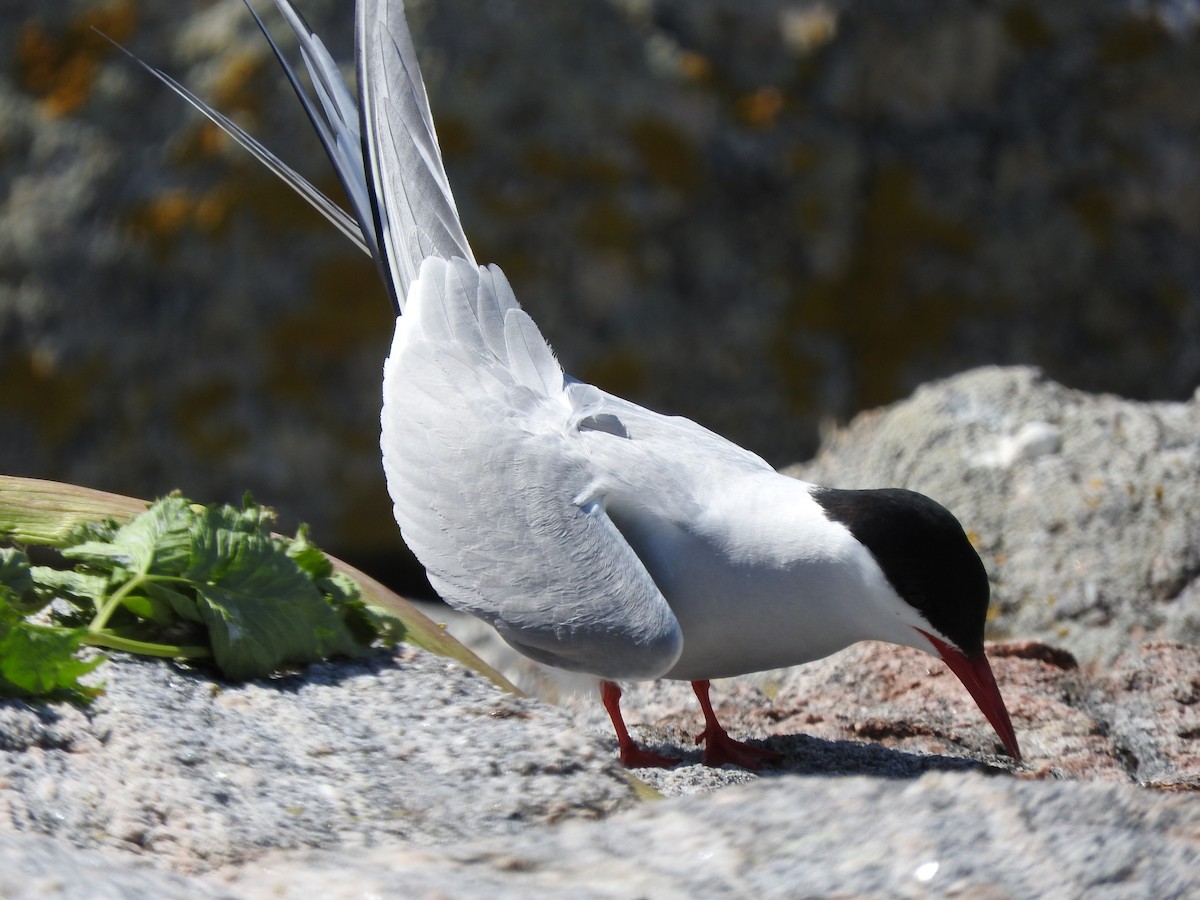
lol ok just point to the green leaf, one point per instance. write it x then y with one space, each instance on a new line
308 556
102 531
151 608
70 584
260 608
16 582
339 587
182 602
249 519
157 541
38 661
14 571
371 624
33 511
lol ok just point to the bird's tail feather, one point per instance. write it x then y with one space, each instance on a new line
415 213
383 146
336 120
301 185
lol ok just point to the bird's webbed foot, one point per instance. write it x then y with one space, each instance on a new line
719 748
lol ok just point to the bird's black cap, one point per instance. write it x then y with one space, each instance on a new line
924 553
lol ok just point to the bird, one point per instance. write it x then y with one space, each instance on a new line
593 534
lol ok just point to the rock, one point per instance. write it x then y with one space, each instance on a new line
941 834
893 712
40 868
406 776
1150 704
1082 506
198 774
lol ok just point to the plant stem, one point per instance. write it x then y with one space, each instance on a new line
109 606
170 651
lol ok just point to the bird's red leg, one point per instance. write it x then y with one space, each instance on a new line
719 748
632 756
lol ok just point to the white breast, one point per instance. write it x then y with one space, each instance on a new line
762 579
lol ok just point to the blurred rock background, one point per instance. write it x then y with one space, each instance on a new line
761 214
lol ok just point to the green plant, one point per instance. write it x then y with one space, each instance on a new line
183 581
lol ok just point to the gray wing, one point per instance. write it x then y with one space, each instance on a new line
495 491
415 214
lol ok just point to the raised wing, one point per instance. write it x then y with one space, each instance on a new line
415 215
495 491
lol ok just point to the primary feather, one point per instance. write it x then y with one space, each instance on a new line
414 209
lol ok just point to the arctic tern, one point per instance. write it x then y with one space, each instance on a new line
596 535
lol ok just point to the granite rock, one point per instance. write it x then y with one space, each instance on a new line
893 712
196 773
36 867
940 834
403 776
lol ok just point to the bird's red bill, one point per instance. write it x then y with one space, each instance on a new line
976 675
